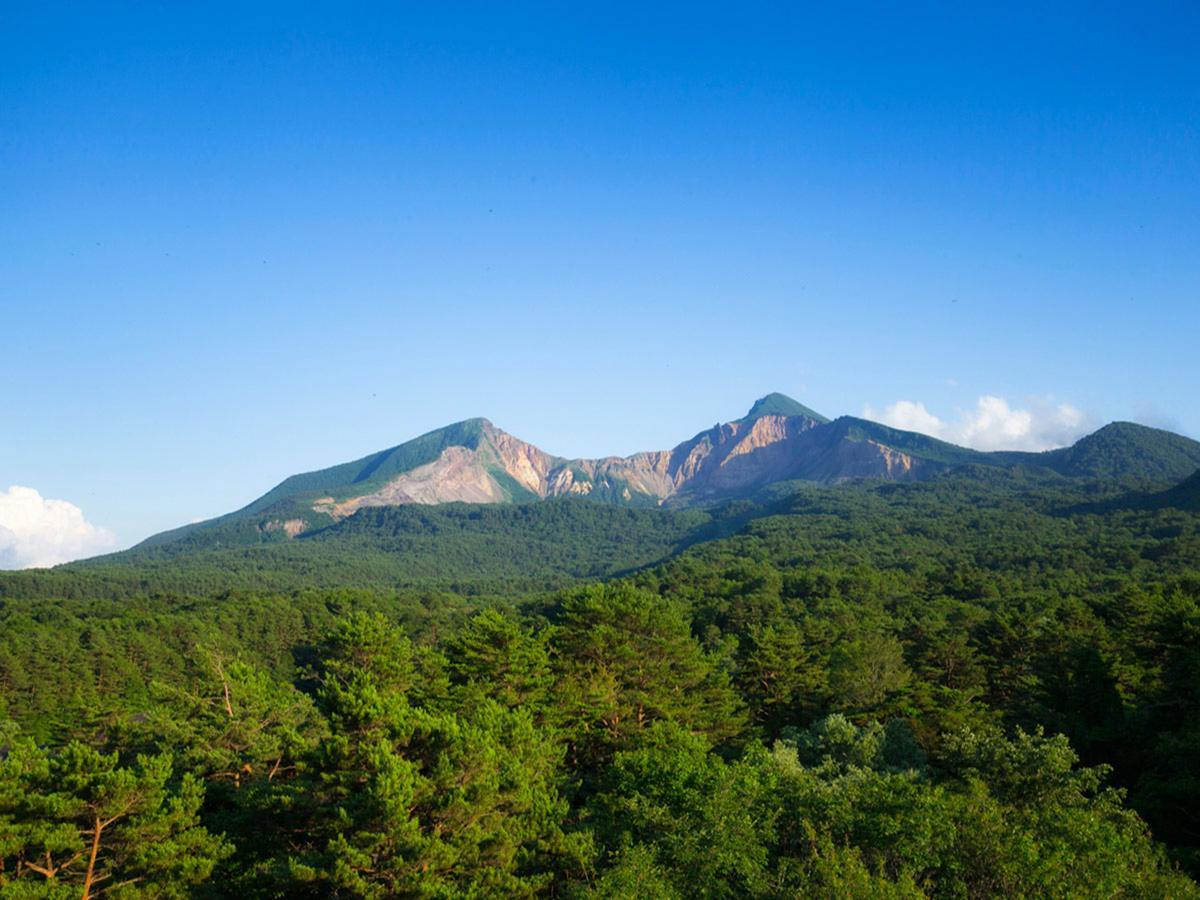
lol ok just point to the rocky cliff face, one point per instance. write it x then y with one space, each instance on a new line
725 461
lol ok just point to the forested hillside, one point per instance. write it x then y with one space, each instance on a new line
466 548
983 685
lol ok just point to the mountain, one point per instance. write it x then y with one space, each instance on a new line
476 462
778 440
1123 449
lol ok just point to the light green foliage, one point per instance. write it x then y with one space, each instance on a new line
835 743
780 405
831 870
633 875
1017 817
235 723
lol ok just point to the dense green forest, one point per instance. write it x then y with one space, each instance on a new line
987 684
468 549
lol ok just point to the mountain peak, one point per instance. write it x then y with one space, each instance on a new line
777 404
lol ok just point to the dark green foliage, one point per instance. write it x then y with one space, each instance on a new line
497 656
75 822
983 685
868 675
1184 496
408 799
628 660
459 547
710 823
74 665
1120 450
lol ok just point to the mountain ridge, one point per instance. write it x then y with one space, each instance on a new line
778 440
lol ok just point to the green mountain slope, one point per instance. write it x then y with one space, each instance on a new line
374 470
910 442
781 405
288 498
1118 450
1126 450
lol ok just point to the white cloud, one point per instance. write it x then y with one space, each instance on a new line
36 532
994 424
909 416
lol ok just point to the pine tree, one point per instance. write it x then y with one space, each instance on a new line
77 822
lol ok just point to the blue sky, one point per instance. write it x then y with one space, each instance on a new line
240 244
